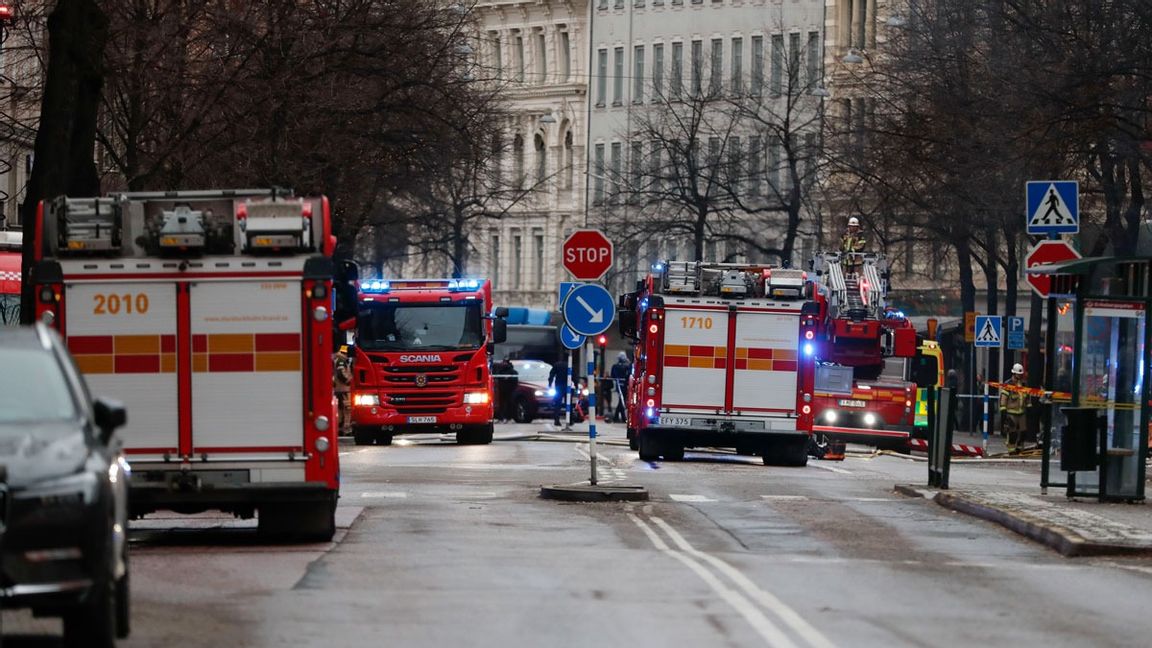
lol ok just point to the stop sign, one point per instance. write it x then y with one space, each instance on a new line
587 254
1047 252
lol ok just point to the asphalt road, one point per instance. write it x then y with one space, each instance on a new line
447 545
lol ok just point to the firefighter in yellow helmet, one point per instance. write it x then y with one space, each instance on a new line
1013 402
341 385
852 245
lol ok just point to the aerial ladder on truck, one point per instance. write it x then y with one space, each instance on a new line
862 392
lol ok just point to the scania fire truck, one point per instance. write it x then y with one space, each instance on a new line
422 359
723 359
863 393
209 314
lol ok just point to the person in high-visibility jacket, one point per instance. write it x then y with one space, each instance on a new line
1013 402
852 245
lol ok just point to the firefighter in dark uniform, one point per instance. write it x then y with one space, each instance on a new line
341 385
852 245
1013 402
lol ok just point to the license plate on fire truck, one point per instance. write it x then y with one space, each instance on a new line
844 402
675 421
421 419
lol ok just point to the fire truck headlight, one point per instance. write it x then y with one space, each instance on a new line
869 419
830 416
322 424
320 314
322 444
476 398
366 400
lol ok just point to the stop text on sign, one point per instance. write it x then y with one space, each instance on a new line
587 254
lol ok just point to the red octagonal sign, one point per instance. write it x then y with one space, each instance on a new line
587 254
1047 252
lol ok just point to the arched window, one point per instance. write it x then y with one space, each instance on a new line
541 159
518 161
569 160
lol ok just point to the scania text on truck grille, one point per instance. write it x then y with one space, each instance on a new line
209 313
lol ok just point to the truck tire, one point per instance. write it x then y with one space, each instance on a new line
309 521
790 452
363 435
648 447
632 443
673 452
475 435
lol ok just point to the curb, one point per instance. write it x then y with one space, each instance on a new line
599 493
1065 541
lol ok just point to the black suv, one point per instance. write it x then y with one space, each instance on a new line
64 548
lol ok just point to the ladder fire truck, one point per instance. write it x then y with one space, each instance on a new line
862 391
209 314
422 359
723 359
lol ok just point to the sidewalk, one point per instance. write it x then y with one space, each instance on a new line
1007 491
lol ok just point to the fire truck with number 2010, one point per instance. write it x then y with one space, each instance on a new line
209 313
723 359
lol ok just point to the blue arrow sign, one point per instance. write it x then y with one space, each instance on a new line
989 331
570 339
1053 207
589 309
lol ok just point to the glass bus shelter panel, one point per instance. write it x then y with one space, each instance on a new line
1065 368
1112 379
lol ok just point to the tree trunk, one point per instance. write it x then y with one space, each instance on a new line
64 161
459 246
1012 286
992 302
698 234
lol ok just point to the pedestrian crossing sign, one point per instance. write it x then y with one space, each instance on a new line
1053 206
989 331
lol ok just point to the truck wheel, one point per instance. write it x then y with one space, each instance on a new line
632 443
383 439
298 521
363 435
475 435
746 450
649 448
673 452
792 452
522 411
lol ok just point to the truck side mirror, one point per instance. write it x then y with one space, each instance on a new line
627 323
108 415
501 312
500 331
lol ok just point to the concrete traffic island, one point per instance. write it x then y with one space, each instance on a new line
585 492
1060 524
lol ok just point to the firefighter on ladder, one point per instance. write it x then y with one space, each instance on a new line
852 246
1013 402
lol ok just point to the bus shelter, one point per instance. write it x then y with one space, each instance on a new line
1096 362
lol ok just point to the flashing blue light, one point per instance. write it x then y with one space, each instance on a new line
552 392
657 267
463 284
808 348
376 286
651 413
644 304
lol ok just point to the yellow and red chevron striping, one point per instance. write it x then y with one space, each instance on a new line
155 354
715 357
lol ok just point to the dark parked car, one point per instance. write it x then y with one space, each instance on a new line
64 549
533 397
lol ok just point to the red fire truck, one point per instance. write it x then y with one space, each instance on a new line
209 314
863 392
722 360
422 359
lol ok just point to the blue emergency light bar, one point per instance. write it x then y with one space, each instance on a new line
375 286
378 286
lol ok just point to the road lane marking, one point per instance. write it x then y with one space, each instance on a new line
763 626
690 498
831 468
786 498
766 599
384 494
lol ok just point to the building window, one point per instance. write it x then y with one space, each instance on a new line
618 78
617 158
637 170
602 76
498 158
656 168
714 148
538 255
598 176
569 160
814 58
774 167
517 259
755 165
794 63
494 259
541 160
619 4
518 58
777 71
658 71
716 74
697 67
565 56
541 57
602 5
497 55
733 172
676 80
518 161
757 80
638 74
737 65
